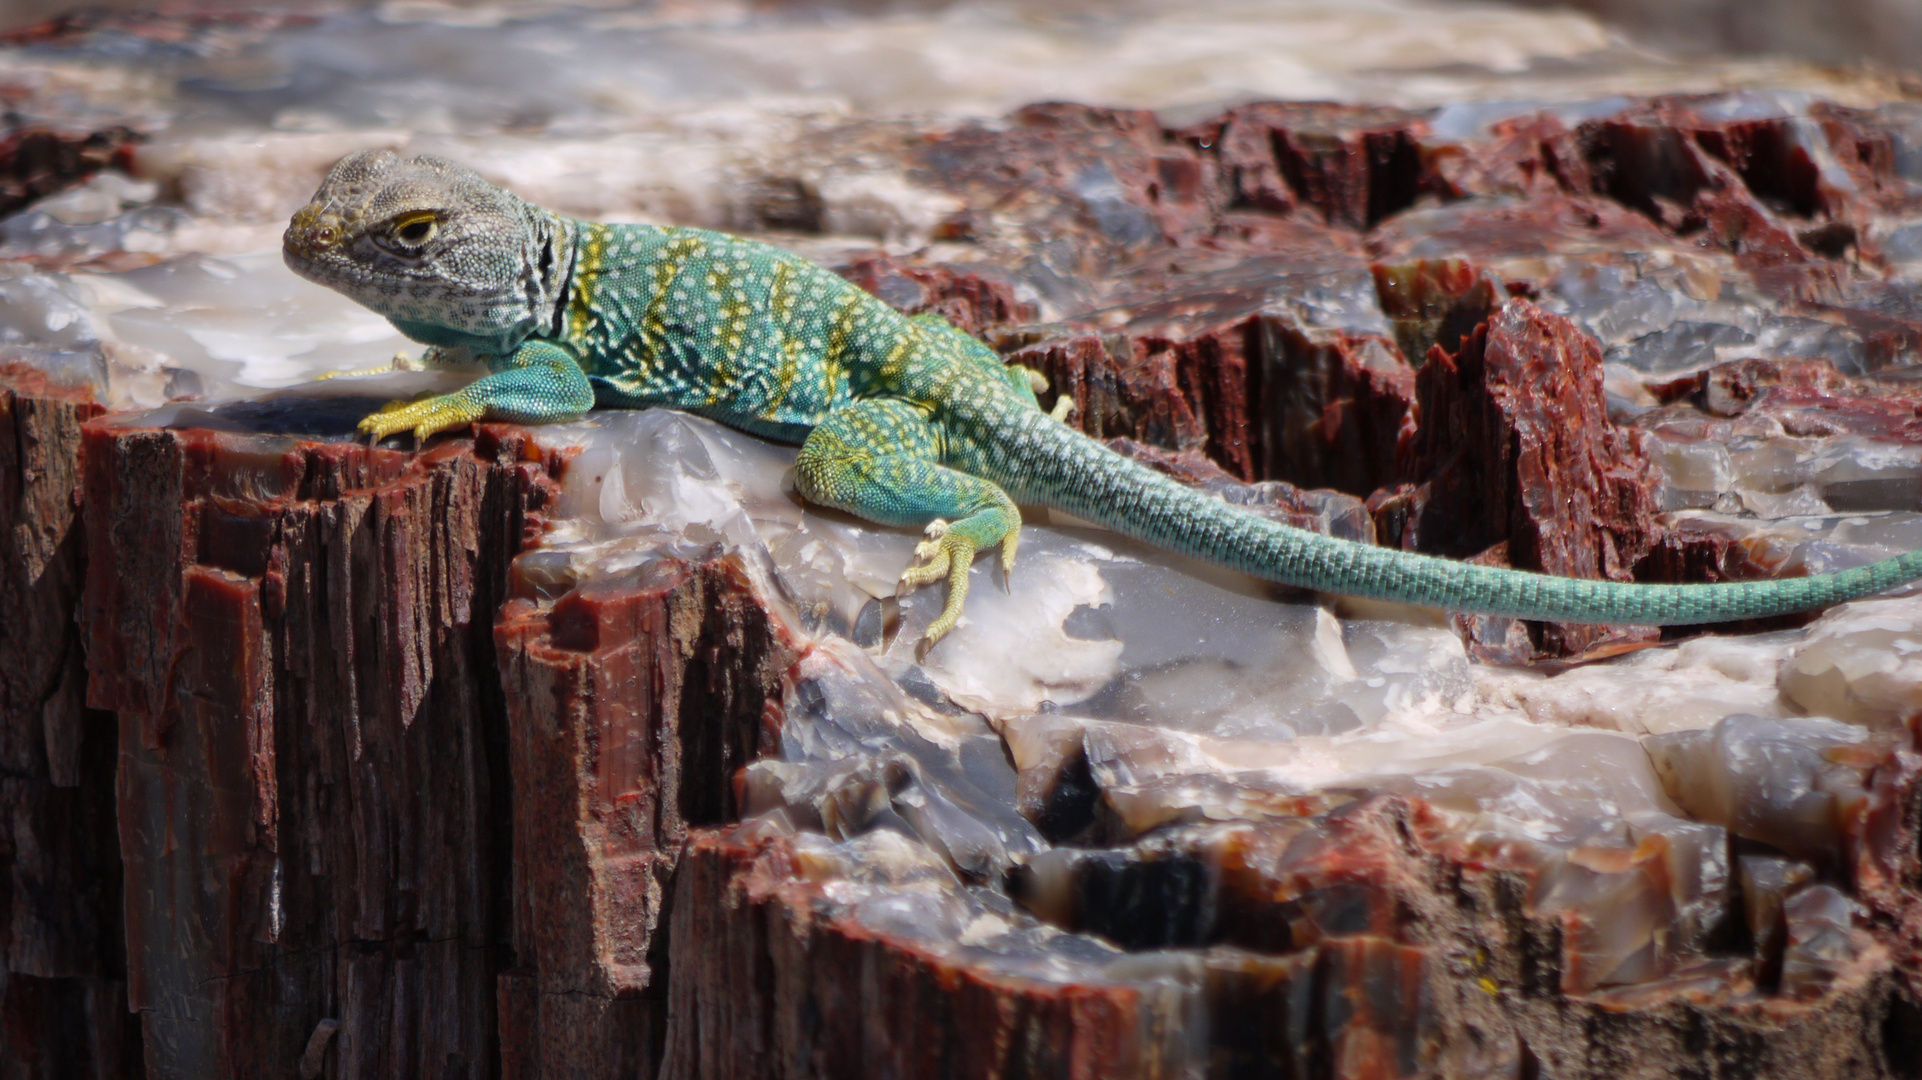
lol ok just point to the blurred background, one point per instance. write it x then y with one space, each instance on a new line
1884 32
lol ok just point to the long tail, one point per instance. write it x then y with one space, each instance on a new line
1044 462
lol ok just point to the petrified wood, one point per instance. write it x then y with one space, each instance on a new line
62 947
631 707
297 640
590 751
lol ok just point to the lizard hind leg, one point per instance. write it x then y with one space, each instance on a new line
878 459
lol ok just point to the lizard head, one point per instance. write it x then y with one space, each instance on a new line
426 241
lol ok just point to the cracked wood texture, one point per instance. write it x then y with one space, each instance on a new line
632 704
297 641
62 949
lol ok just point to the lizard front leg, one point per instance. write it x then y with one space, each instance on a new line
539 384
879 459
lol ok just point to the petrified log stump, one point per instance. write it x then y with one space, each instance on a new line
62 947
297 640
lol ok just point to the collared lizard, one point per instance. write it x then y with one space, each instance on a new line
902 420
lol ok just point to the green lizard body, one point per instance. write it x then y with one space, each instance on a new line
901 420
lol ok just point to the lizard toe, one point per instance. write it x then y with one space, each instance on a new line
425 417
929 567
383 422
931 558
950 557
960 556
445 413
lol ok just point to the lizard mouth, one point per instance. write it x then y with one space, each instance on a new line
300 258
336 273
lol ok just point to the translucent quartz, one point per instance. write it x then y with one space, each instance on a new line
1779 780
1814 543
218 329
1862 665
1668 313
1753 464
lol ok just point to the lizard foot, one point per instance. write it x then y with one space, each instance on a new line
944 554
931 559
948 552
425 416
1063 408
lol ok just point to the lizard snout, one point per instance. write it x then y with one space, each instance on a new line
312 232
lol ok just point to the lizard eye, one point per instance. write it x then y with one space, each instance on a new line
414 230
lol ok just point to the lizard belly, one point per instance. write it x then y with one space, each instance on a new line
784 423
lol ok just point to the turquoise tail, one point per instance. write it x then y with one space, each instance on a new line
1042 462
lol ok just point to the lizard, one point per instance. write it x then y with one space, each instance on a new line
902 420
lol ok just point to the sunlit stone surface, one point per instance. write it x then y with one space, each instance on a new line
1685 815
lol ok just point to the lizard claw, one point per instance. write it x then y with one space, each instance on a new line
948 551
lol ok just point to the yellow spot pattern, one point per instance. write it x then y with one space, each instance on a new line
587 270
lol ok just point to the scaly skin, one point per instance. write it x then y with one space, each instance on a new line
903 421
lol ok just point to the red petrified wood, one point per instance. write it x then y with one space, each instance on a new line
766 986
295 637
1514 447
62 949
631 705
